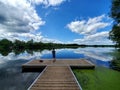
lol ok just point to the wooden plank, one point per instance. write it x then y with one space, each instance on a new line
56 78
36 65
60 62
57 75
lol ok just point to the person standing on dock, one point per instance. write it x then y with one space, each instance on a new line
53 54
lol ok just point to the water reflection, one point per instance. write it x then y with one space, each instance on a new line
10 65
11 77
54 55
103 54
100 56
115 63
24 56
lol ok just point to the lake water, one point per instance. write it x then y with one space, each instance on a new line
12 78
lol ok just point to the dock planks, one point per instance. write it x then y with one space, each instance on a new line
37 65
56 78
57 75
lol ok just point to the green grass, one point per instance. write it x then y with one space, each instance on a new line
98 79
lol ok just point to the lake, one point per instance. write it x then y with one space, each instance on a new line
12 78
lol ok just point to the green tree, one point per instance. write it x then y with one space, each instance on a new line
115 14
19 45
4 43
5 46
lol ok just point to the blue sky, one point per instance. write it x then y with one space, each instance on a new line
59 21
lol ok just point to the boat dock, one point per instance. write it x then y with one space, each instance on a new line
56 75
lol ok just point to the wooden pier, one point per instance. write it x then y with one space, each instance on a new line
56 78
57 74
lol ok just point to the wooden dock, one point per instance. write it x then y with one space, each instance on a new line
56 78
57 75
39 65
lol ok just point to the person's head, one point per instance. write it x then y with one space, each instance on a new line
53 49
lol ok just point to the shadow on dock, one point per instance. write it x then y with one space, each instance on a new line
32 69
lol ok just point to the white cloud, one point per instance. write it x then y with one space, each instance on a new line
100 38
89 26
89 29
28 36
18 17
48 2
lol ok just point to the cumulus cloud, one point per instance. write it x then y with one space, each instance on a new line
100 38
48 2
19 19
89 26
89 29
28 36
21 16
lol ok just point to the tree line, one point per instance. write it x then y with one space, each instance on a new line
115 14
114 34
18 46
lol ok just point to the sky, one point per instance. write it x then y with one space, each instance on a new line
57 21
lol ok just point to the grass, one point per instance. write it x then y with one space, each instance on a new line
100 78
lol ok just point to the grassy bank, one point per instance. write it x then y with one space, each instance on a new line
100 78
